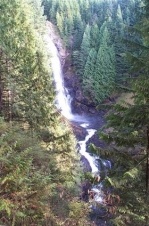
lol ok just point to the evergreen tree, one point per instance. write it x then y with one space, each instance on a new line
85 45
105 68
75 16
78 32
88 76
95 36
37 155
84 10
60 22
84 50
119 13
128 133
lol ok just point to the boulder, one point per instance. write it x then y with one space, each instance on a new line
86 165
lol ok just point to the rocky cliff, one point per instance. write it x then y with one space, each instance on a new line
80 103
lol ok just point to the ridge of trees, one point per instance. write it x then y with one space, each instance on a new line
81 24
127 130
38 163
39 167
127 135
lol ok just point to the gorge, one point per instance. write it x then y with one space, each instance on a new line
62 121
87 124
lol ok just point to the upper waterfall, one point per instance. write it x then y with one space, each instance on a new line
63 99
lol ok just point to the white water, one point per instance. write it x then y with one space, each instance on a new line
83 152
63 102
62 97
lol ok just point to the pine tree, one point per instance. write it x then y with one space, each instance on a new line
95 37
119 13
78 31
128 133
37 155
60 22
105 68
88 76
84 50
85 45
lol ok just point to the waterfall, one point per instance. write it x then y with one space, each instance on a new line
63 103
63 99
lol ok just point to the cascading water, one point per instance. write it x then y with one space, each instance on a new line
86 154
62 97
63 103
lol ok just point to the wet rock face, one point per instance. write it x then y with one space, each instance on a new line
85 164
96 141
80 103
55 36
79 131
86 187
78 96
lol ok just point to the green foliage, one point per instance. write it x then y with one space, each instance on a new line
126 182
95 40
105 69
77 209
25 184
127 132
99 70
37 148
89 74
75 18
37 175
25 71
39 168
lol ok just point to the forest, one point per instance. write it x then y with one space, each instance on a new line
40 169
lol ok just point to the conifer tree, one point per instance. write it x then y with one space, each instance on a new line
85 45
105 68
84 49
60 22
95 37
89 72
37 155
119 13
78 31
128 133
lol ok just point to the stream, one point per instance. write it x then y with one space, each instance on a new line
63 103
